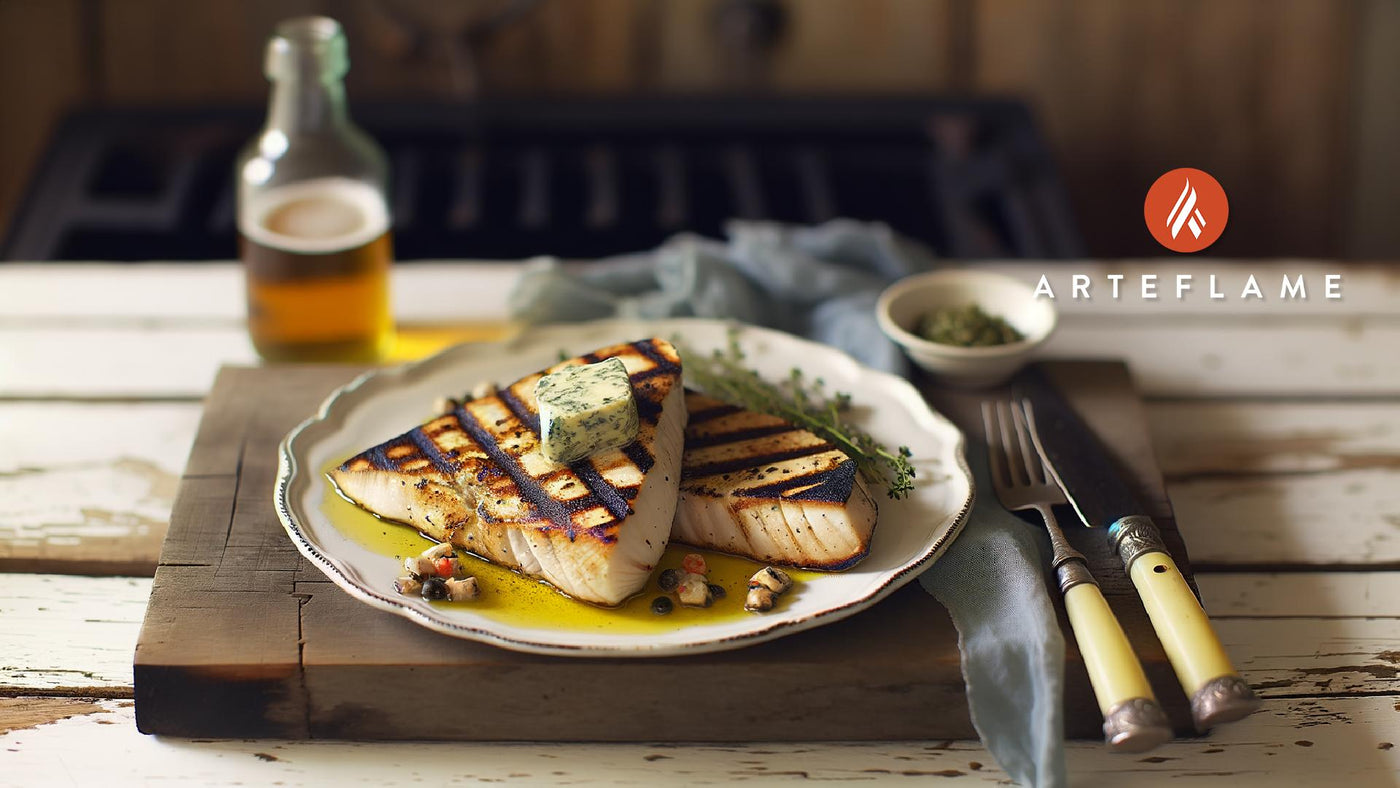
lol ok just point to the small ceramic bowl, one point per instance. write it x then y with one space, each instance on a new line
903 304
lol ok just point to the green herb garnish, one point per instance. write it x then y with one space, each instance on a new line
723 375
967 326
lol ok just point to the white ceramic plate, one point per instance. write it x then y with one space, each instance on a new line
911 533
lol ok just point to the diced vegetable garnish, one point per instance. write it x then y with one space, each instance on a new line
695 564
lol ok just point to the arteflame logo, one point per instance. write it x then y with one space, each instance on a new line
1179 212
1186 210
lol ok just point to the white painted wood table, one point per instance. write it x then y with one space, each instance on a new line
1277 424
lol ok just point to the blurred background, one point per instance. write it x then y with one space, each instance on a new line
990 128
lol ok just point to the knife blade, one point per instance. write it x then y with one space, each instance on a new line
1086 472
1103 499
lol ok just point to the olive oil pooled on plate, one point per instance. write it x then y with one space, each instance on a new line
514 599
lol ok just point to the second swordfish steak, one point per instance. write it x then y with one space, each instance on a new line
476 477
755 485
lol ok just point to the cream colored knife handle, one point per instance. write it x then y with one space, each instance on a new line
1218 694
1132 720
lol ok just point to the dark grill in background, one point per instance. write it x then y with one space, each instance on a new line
573 178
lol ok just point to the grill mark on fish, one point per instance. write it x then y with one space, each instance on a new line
430 450
378 458
710 414
541 502
738 436
517 406
600 491
832 485
648 406
752 461
639 455
648 410
647 374
606 494
606 534
662 363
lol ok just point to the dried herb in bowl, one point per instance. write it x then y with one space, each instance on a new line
967 326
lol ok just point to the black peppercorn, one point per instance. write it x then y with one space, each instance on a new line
669 579
661 605
434 588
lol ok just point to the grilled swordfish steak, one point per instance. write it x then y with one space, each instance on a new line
476 477
755 485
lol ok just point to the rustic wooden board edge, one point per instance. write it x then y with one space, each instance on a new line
189 676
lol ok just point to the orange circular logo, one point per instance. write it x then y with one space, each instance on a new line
1186 210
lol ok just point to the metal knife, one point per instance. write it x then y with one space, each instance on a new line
1102 498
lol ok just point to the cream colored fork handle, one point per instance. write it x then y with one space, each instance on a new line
1133 721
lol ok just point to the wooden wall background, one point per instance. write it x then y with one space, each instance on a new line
1293 104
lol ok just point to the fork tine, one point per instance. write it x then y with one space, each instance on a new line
1035 466
1020 472
996 452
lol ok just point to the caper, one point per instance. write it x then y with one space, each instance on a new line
434 588
717 591
669 579
662 605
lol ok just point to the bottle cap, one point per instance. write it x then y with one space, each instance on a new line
307 46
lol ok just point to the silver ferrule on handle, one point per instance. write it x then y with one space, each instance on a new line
1136 725
1133 536
1071 568
1072 572
1222 700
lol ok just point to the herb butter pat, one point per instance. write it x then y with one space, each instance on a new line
586 409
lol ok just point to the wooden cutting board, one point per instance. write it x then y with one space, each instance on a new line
245 638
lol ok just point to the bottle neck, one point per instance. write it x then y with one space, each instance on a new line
306 105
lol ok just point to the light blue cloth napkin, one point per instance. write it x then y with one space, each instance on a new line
1013 654
822 282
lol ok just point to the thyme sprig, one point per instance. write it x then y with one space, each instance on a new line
724 375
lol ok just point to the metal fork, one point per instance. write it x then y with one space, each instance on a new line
1133 721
